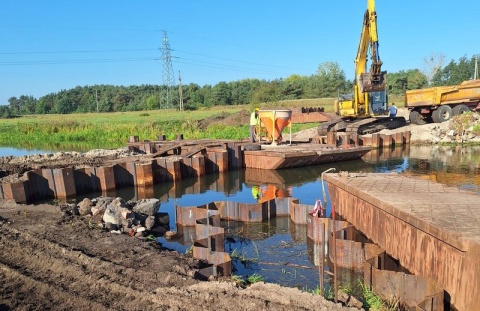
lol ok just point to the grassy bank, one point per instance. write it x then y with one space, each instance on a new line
83 132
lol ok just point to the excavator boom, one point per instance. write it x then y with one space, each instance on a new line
375 79
366 111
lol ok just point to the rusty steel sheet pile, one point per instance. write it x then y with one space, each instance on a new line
346 247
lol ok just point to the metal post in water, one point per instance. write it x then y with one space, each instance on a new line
323 187
322 258
333 232
335 283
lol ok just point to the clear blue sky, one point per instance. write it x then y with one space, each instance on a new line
52 45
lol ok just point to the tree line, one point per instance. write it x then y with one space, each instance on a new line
328 81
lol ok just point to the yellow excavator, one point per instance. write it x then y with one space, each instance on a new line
366 110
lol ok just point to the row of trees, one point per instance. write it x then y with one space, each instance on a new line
328 81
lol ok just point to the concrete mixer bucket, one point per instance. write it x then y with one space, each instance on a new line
274 122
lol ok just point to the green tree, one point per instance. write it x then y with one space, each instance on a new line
455 72
221 94
153 102
193 96
292 87
399 82
5 112
267 92
242 91
331 79
14 104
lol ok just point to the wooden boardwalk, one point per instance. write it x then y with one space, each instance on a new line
432 229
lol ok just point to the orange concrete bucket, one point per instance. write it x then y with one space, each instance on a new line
275 121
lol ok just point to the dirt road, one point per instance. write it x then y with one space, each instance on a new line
50 260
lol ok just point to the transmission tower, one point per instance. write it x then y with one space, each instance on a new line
167 75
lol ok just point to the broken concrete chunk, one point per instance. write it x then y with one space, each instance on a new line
147 206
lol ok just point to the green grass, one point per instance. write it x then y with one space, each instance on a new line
83 132
106 130
255 278
371 300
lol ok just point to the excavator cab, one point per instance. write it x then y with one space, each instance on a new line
378 101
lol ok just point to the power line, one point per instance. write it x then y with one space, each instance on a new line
226 67
74 52
76 61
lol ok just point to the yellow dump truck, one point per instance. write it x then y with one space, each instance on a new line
438 104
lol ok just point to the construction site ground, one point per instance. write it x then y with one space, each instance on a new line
51 260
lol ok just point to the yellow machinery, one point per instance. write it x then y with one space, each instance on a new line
357 112
439 104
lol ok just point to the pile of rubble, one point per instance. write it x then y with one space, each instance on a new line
462 129
136 218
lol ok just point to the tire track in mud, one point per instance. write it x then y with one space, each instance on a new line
52 262
21 287
33 267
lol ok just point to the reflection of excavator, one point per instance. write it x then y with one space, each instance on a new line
270 191
365 111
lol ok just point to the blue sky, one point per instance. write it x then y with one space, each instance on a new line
52 45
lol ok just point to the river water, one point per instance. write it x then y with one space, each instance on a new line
279 250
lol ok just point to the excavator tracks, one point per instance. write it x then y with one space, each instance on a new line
374 125
333 125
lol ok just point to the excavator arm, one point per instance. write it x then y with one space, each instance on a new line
369 88
365 112
375 79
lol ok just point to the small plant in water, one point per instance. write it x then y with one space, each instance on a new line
315 291
237 255
238 279
347 289
189 250
328 293
371 300
255 278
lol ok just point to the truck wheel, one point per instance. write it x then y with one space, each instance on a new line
459 109
442 114
417 118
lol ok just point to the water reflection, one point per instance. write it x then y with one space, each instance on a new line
279 249
454 166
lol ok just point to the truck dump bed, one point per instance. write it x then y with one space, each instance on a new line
467 91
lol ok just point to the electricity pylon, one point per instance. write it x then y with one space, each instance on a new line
168 77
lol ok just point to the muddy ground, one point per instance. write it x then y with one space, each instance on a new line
52 260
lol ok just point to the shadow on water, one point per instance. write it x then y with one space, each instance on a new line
279 249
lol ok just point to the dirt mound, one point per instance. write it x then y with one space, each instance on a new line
52 260
235 119
12 169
